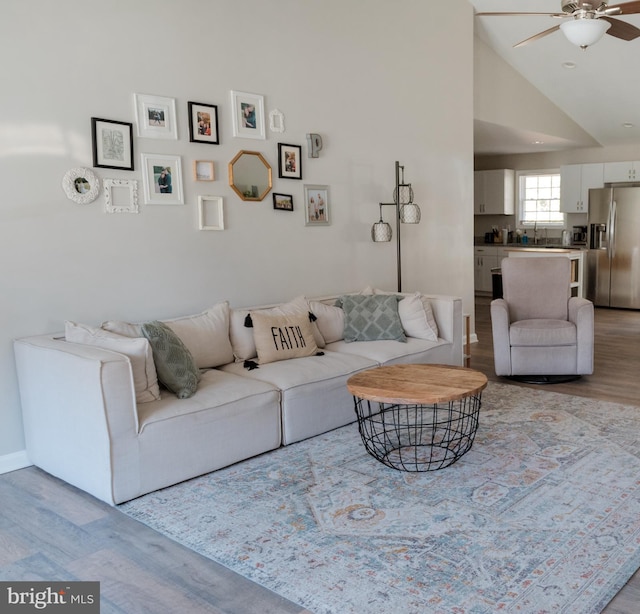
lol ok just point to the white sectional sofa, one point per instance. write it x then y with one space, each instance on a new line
94 417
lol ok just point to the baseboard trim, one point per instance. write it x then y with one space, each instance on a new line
12 462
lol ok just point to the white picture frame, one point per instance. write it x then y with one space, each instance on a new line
316 205
210 213
156 116
81 185
120 196
247 111
156 190
276 121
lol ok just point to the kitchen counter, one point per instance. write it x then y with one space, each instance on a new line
532 246
551 249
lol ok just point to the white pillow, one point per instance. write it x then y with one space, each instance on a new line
330 320
417 318
138 350
244 347
206 334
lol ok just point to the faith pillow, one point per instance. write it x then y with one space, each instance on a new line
279 337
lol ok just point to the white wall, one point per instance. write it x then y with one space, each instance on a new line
373 77
504 97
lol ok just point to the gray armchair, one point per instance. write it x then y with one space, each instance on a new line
539 329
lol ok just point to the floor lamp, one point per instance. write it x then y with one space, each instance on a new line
407 212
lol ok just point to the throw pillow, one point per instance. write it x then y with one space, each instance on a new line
330 320
371 318
174 363
417 318
143 370
280 337
242 338
205 334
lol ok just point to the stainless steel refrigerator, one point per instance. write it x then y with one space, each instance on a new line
613 259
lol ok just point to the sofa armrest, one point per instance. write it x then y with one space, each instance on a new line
581 313
447 311
79 411
500 333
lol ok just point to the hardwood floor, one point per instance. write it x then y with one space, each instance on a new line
52 531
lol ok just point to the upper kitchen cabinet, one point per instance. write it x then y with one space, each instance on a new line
575 182
620 172
494 192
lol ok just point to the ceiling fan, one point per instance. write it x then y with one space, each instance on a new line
586 22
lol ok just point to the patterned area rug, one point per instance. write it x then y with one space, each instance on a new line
541 515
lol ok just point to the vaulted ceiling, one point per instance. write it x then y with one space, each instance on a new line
599 88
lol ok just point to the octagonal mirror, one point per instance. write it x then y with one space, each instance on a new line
250 175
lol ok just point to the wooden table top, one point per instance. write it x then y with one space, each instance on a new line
420 384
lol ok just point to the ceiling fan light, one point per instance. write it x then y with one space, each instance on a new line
584 32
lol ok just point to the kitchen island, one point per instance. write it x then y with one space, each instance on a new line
488 259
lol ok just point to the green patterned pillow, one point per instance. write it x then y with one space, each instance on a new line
371 317
174 363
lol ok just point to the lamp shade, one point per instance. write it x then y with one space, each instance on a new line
403 194
410 214
381 232
584 32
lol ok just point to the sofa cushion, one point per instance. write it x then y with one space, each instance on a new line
417 318
371 317
303 373
391 352
416 315
206 334
279 337
174 363
242 341
542 332
145 379
330 320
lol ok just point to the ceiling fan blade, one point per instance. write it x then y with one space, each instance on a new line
628 8
535 37
621 29
511 14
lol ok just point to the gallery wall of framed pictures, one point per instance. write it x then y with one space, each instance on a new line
163 182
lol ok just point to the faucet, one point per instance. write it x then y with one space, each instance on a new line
535 232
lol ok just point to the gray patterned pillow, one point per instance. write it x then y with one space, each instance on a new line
371 317
174 363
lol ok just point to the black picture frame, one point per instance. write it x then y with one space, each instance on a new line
112 144
289 161
203 123
282 202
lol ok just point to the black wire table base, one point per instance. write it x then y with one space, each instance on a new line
418 437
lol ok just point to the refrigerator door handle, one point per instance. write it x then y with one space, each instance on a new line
612 229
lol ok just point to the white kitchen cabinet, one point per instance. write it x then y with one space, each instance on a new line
575 182
620 172
494 192
486 257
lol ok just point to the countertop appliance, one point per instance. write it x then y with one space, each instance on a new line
613 259
579 235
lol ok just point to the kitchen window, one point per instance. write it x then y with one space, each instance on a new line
539 200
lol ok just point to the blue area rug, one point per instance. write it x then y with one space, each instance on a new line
542 515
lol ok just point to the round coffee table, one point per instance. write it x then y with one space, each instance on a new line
417 417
